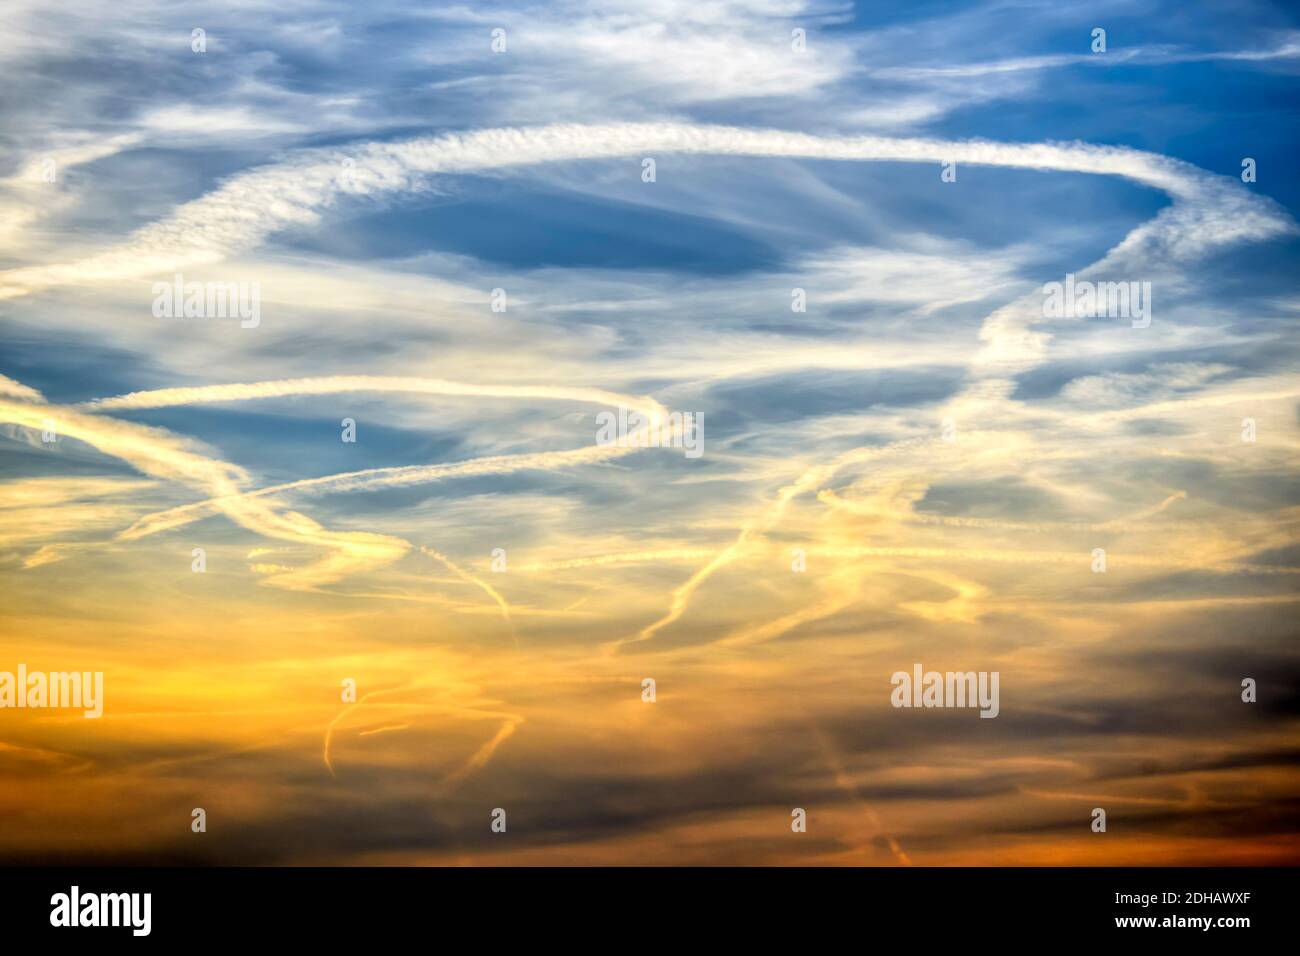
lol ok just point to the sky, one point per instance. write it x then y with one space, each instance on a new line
367 581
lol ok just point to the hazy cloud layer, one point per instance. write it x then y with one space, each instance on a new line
907 455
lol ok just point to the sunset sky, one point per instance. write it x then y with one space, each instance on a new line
462 250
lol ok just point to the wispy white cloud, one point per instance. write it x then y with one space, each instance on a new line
250 207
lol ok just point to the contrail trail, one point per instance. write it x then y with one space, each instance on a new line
329 385
844 782
237 502
811 478
380 477
371 478
476 761
479 759
159 453
383 730
249 207
830 498
627 557
477 582
1118 559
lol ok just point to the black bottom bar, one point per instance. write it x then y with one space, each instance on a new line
645 908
